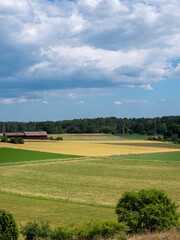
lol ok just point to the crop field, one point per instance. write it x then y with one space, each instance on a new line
70 189
87 136
96 148
10 155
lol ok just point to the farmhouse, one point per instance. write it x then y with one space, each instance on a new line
27 135
35 135
155 138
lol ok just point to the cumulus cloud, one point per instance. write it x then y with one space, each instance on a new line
60 45
146 87
117 102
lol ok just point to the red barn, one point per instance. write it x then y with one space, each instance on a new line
35 135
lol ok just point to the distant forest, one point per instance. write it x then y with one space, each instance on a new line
149 126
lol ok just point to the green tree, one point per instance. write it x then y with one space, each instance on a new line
4 139
8 226
147 210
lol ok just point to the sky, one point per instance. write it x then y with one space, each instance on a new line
62 59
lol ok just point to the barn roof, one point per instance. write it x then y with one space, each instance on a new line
15 134
35 134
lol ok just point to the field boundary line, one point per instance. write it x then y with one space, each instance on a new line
32 162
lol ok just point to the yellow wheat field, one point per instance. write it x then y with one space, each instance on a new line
95 148
88 136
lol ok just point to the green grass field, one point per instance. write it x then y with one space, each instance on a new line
77 189
130 137
165 157
10 155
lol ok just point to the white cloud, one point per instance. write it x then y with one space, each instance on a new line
45 102
64 45
146 87
163 100
117 102
21 100
7 101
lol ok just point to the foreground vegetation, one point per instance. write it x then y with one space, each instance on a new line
145 211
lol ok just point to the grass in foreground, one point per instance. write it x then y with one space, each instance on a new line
11 155
169 235
57 213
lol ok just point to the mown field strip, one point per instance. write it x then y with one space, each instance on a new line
56 213
96 148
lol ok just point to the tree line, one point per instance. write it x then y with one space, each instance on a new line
167 126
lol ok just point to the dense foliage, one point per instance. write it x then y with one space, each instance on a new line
88 230
147 210
150 126
8 227
14 140
34 230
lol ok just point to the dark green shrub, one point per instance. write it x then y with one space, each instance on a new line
33 231
20 140
147 210
97 229
13 140
59 138
51 138
8 227
4 139
62 233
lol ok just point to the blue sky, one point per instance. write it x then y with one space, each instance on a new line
89 58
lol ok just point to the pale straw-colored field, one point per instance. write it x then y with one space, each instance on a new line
96 148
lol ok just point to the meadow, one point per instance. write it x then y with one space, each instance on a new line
49 185
10 155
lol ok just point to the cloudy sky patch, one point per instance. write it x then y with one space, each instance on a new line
59 46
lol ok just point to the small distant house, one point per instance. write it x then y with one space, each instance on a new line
27 135
153 138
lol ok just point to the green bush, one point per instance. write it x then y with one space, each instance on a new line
4 139
63 233
147 210
8 227
59 138
13 140
18 140
33 231
97 229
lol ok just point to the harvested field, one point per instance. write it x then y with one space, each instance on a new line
82 136
96 148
